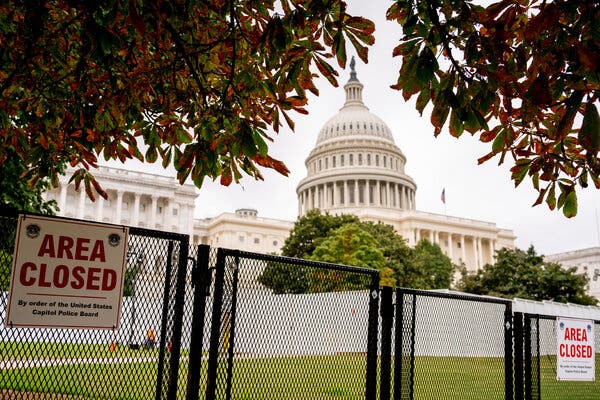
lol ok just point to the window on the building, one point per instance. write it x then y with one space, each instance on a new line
458 245
160 209
275 243
125 205
377 160
326 163
256 240
175 212
368 159
241 238
351 159
333 161
143 207
360 159
342 160
385 161
319 165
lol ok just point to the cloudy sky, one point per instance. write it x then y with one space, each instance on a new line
482 192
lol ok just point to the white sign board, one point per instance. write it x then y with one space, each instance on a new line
575 353
66 274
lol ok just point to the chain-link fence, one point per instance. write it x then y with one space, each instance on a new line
540 363
450 346
284 328
138 360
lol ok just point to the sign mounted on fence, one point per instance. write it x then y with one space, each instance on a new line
575 353
66 274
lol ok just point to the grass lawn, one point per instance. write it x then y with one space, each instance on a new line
289 378
53 350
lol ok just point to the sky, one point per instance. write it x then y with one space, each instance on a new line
481 192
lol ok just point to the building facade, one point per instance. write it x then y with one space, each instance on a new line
354 168
587 261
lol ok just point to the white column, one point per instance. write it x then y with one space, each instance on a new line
492 243
388 194
326 186
377 194
417 236
100 209
181 215
336 194
479 253
462 248
450 246
346 202
136 210
436 237
62 204
356 192
397 192
81 207
431 236
153 211
119 206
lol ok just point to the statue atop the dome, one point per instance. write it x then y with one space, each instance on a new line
352 70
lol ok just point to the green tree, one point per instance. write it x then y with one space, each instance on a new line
424 267
429 268
310 229
5 268
351 245
524 75
199 83
525 274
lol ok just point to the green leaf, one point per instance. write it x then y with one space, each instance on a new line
570 206
589 134
499 141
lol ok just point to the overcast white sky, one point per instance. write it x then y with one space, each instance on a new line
483 192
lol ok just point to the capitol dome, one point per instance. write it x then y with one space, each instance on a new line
355 164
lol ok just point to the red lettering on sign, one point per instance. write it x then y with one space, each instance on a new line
78 277
93 276
23 278
67 246
61 276
109 279
576 334
43 282
98 252
64 247
47 247
81 249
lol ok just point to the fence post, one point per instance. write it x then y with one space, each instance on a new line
387 320
371 379
518 362
163 323
178 318
200 281
532 364
215 329
508 352
234 290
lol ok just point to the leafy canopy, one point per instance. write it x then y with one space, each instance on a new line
198 83
525 274
524 75
344 239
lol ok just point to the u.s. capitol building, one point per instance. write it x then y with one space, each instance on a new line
354 168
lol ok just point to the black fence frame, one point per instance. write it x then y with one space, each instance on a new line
202 279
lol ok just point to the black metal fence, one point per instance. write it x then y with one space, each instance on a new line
140 360
276 327
447 346
204 323
536 362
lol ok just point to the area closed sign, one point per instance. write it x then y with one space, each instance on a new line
575 353
66 274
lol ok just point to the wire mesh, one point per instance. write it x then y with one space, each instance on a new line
544 347
306 339
448 347
131 362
